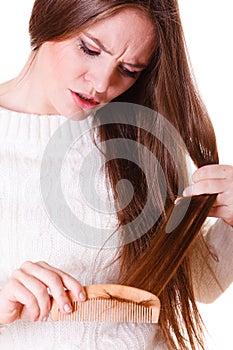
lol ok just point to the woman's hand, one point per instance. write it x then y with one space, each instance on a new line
215 179
27 294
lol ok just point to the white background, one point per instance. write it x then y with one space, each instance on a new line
208 28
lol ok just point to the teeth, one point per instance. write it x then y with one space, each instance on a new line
85 98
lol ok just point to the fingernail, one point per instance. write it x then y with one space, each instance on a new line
186 193
81 296
67 308
178 200
45 319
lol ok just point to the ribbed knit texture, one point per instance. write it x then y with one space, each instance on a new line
28 233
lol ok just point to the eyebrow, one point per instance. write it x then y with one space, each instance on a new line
103 48
137 65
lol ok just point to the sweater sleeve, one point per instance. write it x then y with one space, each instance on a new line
212 276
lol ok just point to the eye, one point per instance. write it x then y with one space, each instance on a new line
85 49
129 73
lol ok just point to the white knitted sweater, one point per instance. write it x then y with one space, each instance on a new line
27 232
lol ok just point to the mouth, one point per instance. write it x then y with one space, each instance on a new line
83 100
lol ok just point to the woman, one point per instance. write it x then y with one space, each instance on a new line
84 55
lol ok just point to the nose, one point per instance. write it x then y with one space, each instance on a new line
100 78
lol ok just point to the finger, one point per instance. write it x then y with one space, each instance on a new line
55 281
213 171
222 212
16 297
209 186
224 198
38 289
69 282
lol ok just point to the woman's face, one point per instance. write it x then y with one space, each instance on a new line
95 66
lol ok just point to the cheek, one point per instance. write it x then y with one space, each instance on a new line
121 88
64 65
56 68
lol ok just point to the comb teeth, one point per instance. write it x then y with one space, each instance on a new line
103 310
111 303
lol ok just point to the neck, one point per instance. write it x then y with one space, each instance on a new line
23 93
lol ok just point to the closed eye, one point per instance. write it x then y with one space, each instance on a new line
94 53
129 73
87 51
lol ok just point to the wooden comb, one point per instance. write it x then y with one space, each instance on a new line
111 303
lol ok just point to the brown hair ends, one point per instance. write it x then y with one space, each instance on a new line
158 261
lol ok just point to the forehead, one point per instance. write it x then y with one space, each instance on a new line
129 31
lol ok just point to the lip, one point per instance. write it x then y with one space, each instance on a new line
86 102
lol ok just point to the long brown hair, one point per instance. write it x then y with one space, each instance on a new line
157 261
